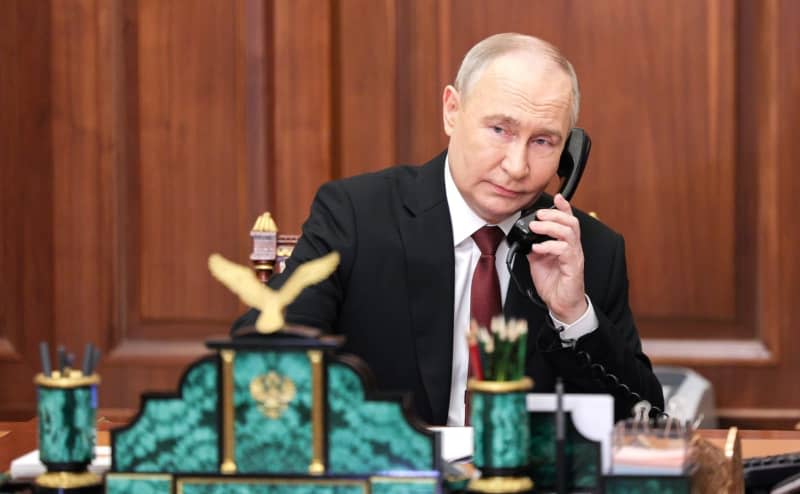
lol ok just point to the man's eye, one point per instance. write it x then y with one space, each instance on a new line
541 142
497 129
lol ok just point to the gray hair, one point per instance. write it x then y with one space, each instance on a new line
482 54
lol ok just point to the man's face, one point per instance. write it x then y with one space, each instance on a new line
507 134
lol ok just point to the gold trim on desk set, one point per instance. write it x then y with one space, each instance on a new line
523 384
228 466
67 480
273 392
71 378
317 466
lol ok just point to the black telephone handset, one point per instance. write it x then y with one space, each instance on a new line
570 169
521 238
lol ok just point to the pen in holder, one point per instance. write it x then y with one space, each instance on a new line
66 405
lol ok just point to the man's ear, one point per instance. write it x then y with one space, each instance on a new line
451 105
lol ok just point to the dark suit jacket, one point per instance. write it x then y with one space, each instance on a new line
392 295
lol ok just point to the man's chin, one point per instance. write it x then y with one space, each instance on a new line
497 215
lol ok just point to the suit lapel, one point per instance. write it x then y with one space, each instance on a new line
427 236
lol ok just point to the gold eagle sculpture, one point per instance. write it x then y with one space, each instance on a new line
251 291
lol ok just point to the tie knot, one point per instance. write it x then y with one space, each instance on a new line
488 238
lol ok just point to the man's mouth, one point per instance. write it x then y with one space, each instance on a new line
500 190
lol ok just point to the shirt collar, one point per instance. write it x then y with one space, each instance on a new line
464 220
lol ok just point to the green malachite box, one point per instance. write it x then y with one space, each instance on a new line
274 415
634 484
583 456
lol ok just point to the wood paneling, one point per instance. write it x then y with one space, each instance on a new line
423 71
366 82
768 127
138 136
26 182
85 143
187 190
301 126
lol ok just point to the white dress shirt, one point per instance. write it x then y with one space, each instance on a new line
465 222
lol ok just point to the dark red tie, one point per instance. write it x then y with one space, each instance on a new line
485 294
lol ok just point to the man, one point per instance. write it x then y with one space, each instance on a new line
402 293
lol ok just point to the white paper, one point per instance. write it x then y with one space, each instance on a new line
456 443
28 465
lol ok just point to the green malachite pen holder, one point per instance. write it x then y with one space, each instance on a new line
502 430
66 408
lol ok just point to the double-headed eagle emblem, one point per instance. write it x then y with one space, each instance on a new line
273 392
243 282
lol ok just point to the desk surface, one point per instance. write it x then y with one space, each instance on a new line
18 438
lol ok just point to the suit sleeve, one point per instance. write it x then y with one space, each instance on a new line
330 226
614 345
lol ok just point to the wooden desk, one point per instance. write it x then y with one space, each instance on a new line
758 443
19 438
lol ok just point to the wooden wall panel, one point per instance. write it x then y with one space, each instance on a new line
88 157
166 127
366 83
26 250
194 179
422 73
301 115
188 185
767 134
84 157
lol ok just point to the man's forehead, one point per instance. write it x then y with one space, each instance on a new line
518 93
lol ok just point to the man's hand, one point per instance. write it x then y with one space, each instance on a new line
557 265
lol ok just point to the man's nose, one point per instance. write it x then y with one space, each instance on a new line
516 162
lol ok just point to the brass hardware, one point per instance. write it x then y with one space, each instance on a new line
317 466
67 480
229 445
500 484
72 378
523 384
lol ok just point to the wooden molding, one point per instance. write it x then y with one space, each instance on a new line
149 352
8 352
760 418
707 352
